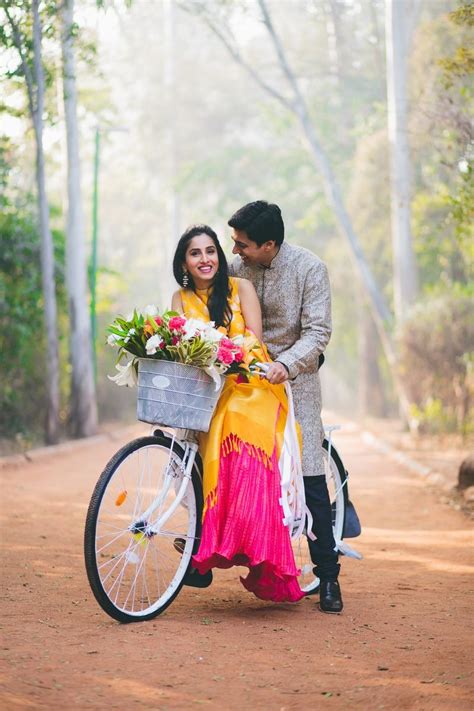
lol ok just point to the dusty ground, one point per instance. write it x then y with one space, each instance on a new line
403 642
440 456
440 453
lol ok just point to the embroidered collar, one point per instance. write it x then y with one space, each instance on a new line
278 259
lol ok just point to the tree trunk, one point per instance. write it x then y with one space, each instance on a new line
335 43
405 277
173 201
297 105
83 397
47 249
379 309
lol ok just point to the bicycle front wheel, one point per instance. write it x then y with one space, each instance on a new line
134 565
336 479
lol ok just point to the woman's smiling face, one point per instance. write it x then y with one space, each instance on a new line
202 260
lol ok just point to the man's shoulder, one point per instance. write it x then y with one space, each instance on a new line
303 256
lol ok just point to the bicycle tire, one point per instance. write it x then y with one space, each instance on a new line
138 546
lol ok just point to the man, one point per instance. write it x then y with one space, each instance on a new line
293 288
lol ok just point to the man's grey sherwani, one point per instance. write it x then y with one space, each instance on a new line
295 297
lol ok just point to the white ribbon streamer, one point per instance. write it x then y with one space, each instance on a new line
296 514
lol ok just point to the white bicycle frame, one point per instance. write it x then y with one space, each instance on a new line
186 465
190 446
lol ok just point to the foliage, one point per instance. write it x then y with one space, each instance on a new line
464 14
461 64
437 359
434 343
443 206
22 340
175 338
232 143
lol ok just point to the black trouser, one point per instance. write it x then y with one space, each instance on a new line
321 550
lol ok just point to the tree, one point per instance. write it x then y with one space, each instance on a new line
399 21
296 104
173 202
371 177
31 68
83 411
23 348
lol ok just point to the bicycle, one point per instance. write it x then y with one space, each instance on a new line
148 496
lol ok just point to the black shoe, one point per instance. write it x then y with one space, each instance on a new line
330 599
196 580
192 577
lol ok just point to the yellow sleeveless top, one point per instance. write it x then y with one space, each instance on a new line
195 306
250 414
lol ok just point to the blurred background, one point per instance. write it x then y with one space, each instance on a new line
122 123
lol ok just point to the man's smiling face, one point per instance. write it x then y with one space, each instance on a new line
250 252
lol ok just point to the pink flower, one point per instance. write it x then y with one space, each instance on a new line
158 321
227 343
175 340
239 355
176 323
225 355
162 345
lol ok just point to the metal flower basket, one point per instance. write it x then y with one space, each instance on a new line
175 395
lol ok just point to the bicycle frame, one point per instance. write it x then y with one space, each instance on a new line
186 464
190 451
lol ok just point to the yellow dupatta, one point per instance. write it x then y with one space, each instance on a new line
250 415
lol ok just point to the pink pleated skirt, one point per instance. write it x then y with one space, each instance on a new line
245 527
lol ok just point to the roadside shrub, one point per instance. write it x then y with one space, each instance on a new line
437 362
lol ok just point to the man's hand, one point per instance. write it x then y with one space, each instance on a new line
276 373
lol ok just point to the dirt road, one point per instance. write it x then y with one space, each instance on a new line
404 640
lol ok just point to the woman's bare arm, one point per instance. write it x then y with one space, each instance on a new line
250 306
176 303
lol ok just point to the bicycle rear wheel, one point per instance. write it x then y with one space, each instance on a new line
133 566
336 477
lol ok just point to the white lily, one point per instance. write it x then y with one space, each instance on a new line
153 344
126 375
193 326
130 333
212 334
112 339
215 375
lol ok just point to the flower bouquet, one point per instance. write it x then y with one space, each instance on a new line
177 364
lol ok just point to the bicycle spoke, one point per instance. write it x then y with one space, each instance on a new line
110 543
137 569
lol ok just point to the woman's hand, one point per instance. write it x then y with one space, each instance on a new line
276 373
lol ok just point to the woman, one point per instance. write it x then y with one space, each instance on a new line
242 517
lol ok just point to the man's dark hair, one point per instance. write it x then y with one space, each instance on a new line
261 222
